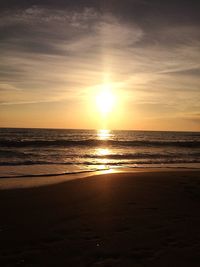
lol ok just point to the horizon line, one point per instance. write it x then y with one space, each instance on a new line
86 129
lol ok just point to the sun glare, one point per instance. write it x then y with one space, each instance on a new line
105 100
102 151
103 134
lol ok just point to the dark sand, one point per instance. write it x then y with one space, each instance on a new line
135 219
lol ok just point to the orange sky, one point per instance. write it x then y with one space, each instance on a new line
52 74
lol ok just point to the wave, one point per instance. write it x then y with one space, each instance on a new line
37 162
94 142
121 162
30 156
143 156
49 174
13 154
159 161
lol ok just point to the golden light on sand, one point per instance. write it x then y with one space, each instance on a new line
105 99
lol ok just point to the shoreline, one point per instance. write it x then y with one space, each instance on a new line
31 181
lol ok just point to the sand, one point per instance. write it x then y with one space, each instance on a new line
121 219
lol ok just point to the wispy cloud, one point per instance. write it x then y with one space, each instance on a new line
24 102
56 54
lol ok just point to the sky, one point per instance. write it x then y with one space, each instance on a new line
57 56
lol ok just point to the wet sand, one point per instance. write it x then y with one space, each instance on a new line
120 219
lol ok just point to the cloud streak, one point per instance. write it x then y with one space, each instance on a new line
57 54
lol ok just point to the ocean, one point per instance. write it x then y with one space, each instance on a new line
34 152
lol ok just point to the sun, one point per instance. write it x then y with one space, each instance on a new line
105 100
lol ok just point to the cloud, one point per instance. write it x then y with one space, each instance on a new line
116 34
191 118
51 50
51 55
22 102
8 87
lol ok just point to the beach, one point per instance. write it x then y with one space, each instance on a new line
144 218
99 133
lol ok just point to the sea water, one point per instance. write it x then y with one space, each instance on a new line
56 151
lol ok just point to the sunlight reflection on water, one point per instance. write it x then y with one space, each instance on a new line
103 162
103 134
102 151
